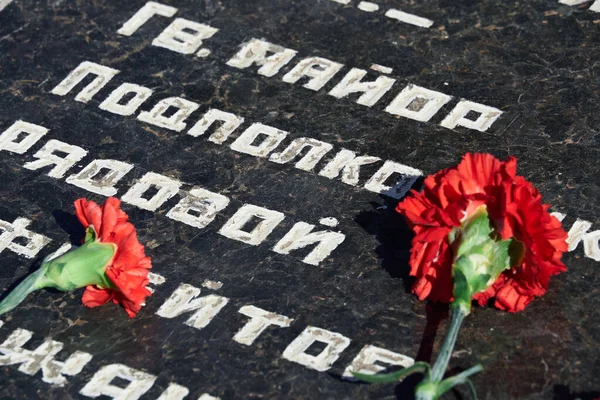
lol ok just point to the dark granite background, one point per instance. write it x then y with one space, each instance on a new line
536 60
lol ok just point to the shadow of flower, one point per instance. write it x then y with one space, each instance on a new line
69 223
394 237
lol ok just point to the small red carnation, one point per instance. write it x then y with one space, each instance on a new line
128 269
110 263
515 210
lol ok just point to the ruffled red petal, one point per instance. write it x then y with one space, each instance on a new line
516 211
128 270
94 297
89 213
107 220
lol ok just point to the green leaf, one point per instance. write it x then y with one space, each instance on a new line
393 376
90 234
472 389
459 379
479 258
453 235
500 258
462 292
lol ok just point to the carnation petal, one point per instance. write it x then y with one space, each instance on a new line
128 269
509 299
516 211
477 171
89 213
110 217
422 288
94 297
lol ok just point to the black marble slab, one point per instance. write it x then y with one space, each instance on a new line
537 61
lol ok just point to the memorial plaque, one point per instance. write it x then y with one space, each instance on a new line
260 149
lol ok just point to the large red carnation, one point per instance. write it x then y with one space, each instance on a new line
128 269
516 211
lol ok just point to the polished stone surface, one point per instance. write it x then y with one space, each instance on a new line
538 61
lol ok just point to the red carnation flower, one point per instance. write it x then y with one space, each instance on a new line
110 263
128 268
481 232
515 211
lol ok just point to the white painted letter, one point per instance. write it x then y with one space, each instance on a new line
47 156
244 144
88 178
32 132
103 76
230 122
233 227
259 321
591 246
112 102
458 116
296 351
149 10
174 392
139 383
167 188
203 204
573 2
577 232
317 151
365 361
206 396
408 18
41 358
319 70
157 117
300 236
255 52
346 162
559 216
176 37
183 300
594 7
408 177
155 279
417 103
372 91
18 229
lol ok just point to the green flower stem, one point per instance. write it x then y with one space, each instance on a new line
480 257
83 266
431 387
18 294
439 368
